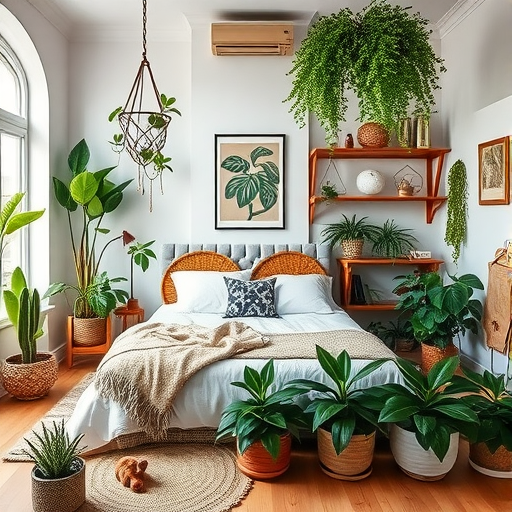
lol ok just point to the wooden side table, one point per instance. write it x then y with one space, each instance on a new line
131 314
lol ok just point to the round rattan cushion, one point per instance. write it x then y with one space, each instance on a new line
372 135
29 381
287 262
60 494
197 260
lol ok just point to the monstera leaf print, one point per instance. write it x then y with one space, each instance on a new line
252 179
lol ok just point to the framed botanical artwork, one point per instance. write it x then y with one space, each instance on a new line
494 172
249 181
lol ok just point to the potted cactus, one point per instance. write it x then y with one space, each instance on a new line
31 374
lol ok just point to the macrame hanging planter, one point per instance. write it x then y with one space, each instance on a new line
144 121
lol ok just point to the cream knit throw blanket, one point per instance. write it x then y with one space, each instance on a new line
149 363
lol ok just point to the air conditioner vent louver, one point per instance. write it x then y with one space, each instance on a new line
252 39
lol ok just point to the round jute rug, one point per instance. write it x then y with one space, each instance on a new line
179 478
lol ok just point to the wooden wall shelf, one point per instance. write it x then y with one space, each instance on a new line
432 199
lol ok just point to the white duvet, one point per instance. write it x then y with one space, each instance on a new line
203 398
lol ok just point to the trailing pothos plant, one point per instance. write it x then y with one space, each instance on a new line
253 180
426 405
264 416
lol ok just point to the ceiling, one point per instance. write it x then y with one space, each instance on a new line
166 16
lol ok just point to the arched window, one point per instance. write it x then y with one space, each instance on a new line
13 152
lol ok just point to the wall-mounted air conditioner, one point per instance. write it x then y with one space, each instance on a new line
252 39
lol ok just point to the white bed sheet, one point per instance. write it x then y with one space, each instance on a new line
204 396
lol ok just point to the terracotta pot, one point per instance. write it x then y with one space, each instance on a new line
416 462
353 463
29 381
372 135
430 355
498 464
89 332
257 463
61 494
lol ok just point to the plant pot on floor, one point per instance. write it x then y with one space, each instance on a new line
61 494
29 381
353 463
257 463
430 355
417 462
497 464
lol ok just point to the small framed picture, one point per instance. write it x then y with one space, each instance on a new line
249 181
494 172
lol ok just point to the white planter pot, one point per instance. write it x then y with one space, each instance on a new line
417 462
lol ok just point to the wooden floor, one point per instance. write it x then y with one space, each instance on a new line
303 488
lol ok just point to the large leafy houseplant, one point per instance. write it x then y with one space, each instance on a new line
341 408
264 416
92 196
382 53
440 311
349 229
427 405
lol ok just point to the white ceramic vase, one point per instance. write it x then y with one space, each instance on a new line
415 461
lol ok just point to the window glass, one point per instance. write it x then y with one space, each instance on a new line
9 88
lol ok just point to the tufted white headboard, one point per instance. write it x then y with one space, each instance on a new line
246 255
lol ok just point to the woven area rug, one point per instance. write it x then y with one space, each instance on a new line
179 478
62 409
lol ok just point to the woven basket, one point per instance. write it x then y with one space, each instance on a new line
29 381
372 135
353 463
500 460
352 248
404 345
89 332
430 355
257 463
58 495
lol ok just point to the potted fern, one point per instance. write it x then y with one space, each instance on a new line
58 477
262 424
30 374
391 241
382 54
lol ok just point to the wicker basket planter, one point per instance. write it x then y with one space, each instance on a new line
61 494
352 248
497 464
89 332
257 463
372 135
417 462
430 355
353 463
29 381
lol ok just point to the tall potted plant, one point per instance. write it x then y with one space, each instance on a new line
382 53
58 477
345 423
30 374
262 424
439 311
92 196
426 418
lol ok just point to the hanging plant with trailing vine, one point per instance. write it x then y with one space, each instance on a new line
382 53
457 208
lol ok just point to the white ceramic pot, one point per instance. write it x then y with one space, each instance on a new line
417 462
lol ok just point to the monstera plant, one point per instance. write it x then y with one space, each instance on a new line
253 181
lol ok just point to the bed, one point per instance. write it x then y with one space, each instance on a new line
205 291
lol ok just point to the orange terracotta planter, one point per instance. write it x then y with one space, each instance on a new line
257 463
430 355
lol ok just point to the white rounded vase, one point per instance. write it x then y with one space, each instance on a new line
415 461
370 182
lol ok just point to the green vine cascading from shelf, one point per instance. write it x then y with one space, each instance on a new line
457 208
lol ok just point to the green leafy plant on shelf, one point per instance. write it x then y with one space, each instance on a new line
329 191
382 54
456 208
349 229
391 241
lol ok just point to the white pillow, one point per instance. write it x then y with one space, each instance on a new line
203 291
310 293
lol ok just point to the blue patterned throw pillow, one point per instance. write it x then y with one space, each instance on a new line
250 298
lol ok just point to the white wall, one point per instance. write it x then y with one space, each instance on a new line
477 107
